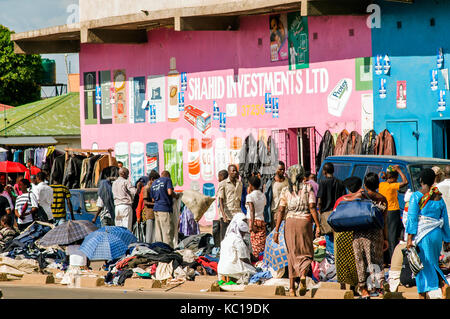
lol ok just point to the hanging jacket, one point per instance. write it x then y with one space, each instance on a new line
84 166
325 149
90 170
248 158
385 144
268 159
368 145
110 171
269 197
57 172
353 144
102 163
339 149
72 171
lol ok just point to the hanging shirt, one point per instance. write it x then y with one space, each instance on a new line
44 194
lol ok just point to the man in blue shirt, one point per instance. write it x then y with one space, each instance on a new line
162 194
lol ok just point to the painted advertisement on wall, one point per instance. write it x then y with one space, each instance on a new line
90 106
401 95
224 104
298 41
120 107
104 80
278 37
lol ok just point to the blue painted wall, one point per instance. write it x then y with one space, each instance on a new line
412 50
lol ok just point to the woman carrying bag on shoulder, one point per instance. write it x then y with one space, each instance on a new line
427 227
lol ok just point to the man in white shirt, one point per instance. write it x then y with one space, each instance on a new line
44 194
444 187
123 193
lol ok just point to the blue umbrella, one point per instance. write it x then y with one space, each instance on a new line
100 245
123 233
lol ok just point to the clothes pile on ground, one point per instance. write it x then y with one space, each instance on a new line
195 255
25 246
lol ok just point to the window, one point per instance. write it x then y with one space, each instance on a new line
90 201
415 170
341 170
362 170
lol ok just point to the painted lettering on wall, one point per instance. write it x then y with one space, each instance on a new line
248 85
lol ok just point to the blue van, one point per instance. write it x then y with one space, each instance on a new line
84 204
359 165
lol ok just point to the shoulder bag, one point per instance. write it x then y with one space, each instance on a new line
356 215
39 214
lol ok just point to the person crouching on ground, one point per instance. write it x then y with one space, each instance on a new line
234 263
255 202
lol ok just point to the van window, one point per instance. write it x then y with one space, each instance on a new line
341 170
362 170
417 168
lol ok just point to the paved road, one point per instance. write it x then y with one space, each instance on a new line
54 292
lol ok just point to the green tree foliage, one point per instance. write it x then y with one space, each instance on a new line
20 74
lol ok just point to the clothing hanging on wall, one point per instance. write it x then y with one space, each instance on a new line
353 144
385 144
339 149
268 159
368 145
326 148
248 159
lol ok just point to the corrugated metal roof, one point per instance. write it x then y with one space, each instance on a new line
28 140
56 116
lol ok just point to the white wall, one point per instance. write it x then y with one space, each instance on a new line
98 9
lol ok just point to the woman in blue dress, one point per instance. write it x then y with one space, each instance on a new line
427 226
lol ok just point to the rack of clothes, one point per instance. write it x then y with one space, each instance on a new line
353 143
83 168
42 156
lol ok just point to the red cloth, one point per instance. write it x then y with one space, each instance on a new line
206 263
121 264
34 170
140 206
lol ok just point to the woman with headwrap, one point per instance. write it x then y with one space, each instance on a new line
234 260
298 204
427 227
105 204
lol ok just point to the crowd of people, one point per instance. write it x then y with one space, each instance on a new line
292 203
301 205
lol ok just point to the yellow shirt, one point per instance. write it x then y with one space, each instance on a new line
390 191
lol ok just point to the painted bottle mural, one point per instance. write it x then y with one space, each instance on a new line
193 159
173 79
209 190
152 157
121 153
221 155
137 159
179 162
173 160
207 164
235 148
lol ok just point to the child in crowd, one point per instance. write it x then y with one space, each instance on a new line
7 233
389 189
255 202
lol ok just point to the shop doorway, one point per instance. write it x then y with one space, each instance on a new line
441 134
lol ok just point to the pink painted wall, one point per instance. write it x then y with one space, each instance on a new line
204 55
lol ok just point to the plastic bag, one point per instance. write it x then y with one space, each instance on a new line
197 203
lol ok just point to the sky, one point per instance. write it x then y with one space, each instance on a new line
27 15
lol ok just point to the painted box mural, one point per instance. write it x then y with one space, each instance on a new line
195 111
